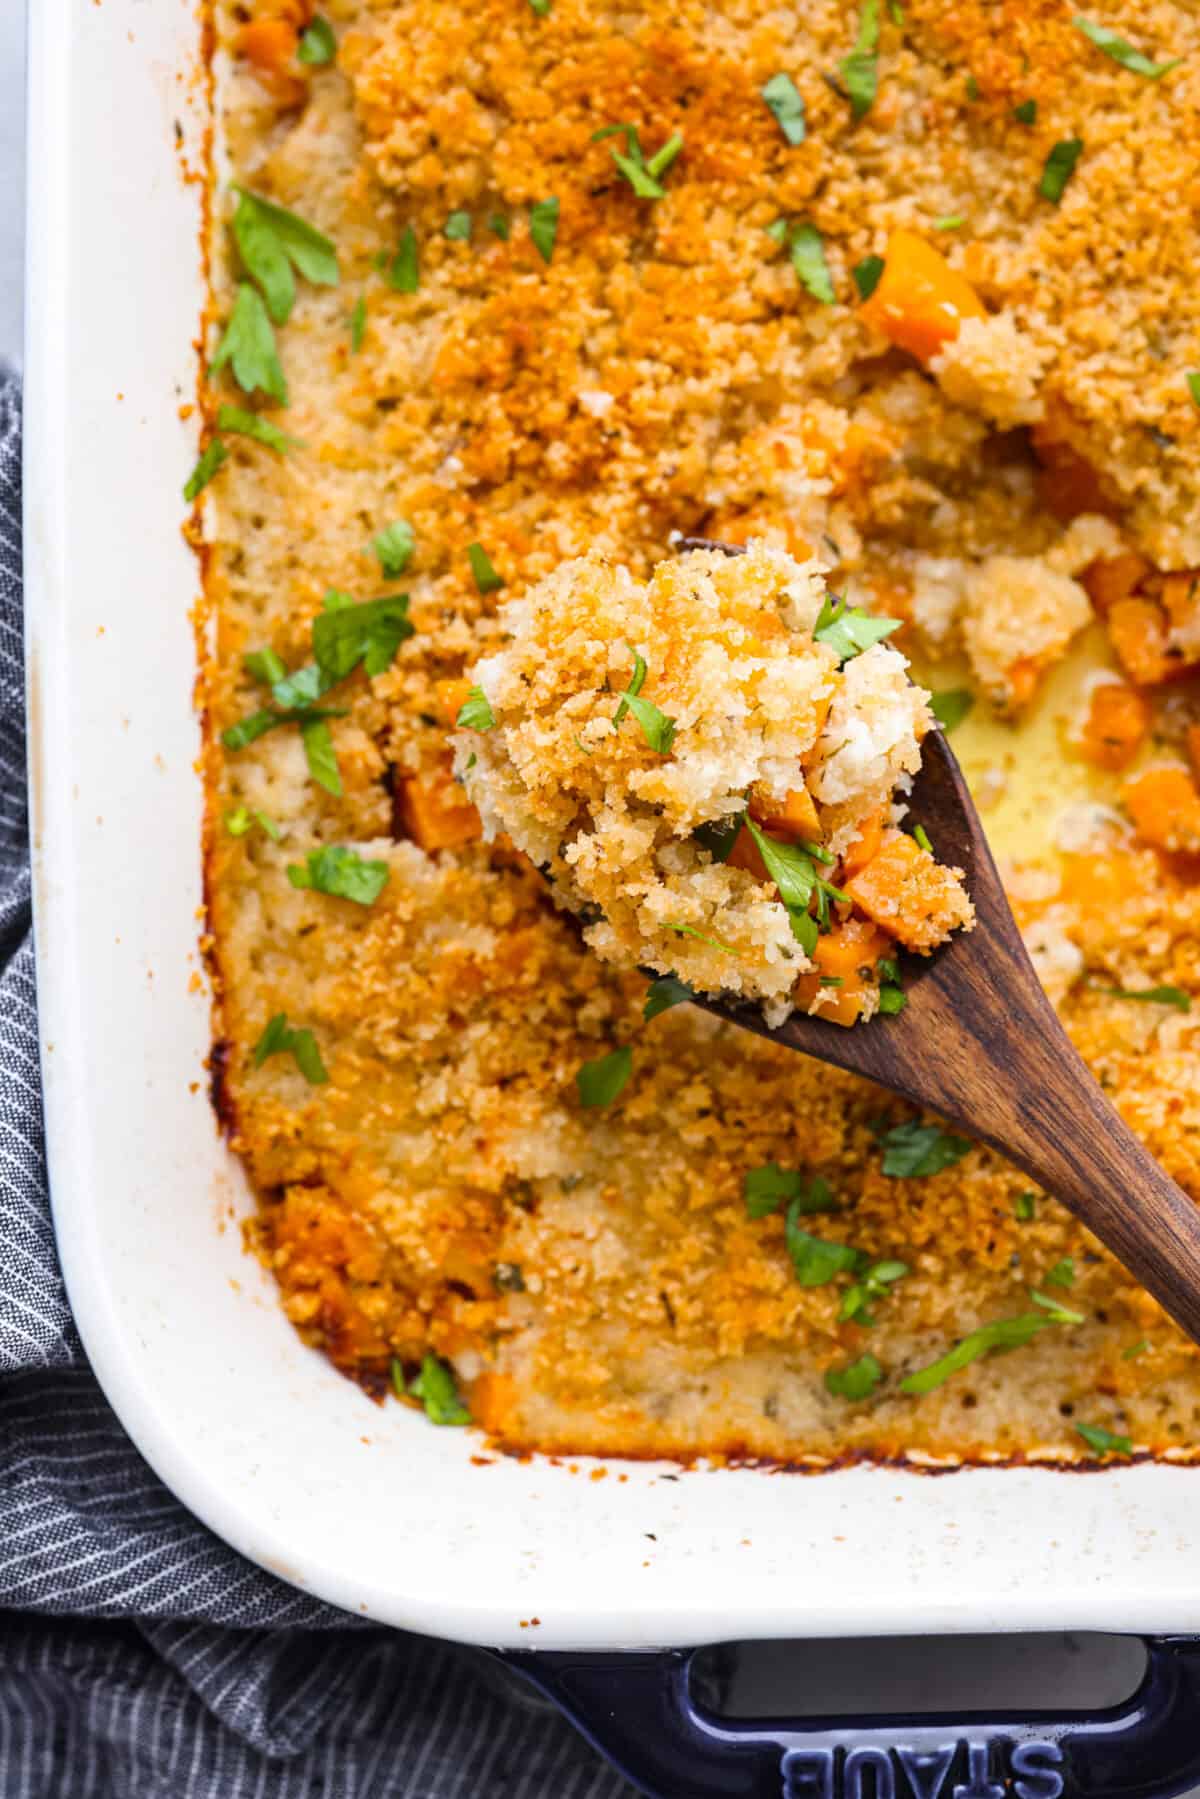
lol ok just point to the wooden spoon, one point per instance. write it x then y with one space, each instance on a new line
979 1043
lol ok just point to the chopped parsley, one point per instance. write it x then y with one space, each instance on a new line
949 221
1062 1274
871 1286
1104 1442
777 231
543 226
600 1081
404 270
318 44
972 88
272 243
860 69
486 578
808 260
340 872
1059 167
636 682
1059 1313
345 634
815 1261
857 1380
787 103
642 175
1025 1207
393 546
765 1189
1135 1349
892 999
249 347
1122 51
358 324
211 459
951 706
457 227
687 930
796 878
435 1387
240 423
1026 112
657 727
540 7
849 631
1155 996
243 818
498 223
475 713
867 274
320 755
280 1039
664 993
921 837
912 1150
1001 1335
264 666
1193 382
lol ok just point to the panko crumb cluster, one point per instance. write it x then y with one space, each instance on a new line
711 767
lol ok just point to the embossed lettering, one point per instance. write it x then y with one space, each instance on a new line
926 1769
882 1784
979 1783
807 1773
1033 1779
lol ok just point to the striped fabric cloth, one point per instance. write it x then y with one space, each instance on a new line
140 1658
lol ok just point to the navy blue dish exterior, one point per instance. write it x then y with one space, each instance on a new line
637 1709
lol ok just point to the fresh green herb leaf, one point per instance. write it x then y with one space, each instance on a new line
457 227
1155 996
248 346
662 159
638 176
345 635
808 260
497 222
719 836
249 730
816 1262
318 44
264 666
540 7
486 578
1105 1442
213 455
777 232
657 727
687 930
300 691
636 682
1062 1274
849 631
358 324
340 872
1025 1207
1059 167
280 1039
1122 51
1002 1335
972 88
912 1150
1193 383
272 242
949 221
394 547
857 1380
896 12
320 755
243 818
252 424
438 1392
892 999
796 878
887 969
860 69
664 993
787 103
866 275
1059 1313
921 837
951 706
475 713
404 271
871 1286
765 1189
1026 112
599 1082
1135 1349
543 226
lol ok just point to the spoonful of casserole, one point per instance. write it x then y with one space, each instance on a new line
729 778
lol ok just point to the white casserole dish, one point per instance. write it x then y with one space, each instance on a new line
370 1508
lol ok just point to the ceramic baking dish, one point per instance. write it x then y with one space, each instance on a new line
370 1507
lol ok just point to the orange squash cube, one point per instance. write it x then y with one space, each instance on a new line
920 301
431 811
1116 726
904 891
1164 804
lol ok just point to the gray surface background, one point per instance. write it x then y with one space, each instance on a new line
849 1677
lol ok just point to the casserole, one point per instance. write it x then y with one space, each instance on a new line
295 1467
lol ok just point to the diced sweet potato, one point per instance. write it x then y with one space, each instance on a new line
452 696
1164 804
1066 484
796 818
270 44
431 811
909 895
870 838
1181 598
1114 578
846 954
1116 725
1138 632
920 301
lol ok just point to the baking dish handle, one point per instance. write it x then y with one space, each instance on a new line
638 1710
